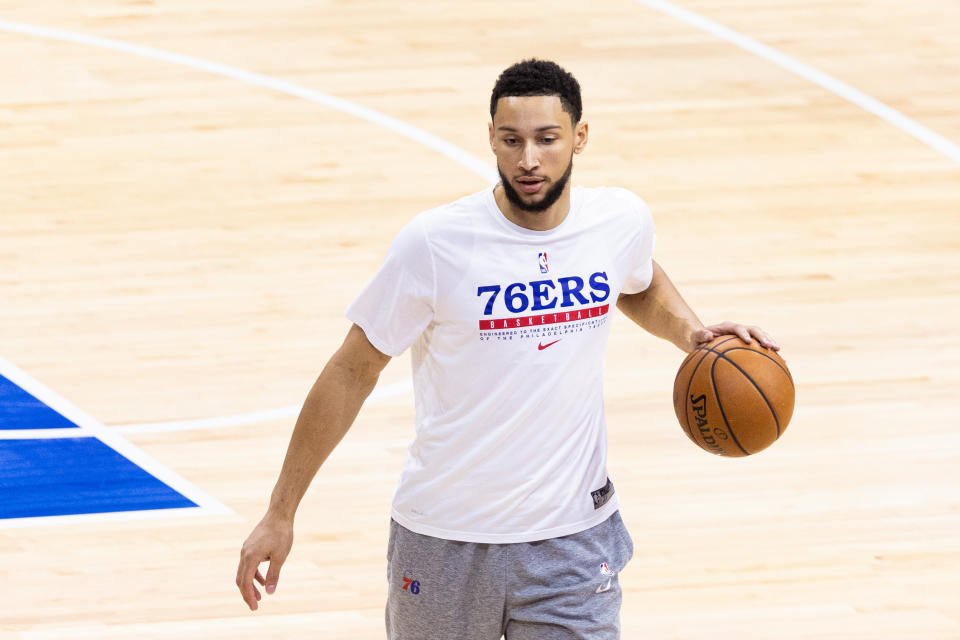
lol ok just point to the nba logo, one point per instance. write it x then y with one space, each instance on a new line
542 259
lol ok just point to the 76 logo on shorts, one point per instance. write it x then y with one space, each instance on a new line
413 586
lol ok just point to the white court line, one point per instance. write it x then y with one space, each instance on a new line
458 155
386 391
89 427
113 516
43 434
831 84
46 396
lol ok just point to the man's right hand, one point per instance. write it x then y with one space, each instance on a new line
271 541
329 410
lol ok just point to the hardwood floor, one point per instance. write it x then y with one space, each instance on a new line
179 245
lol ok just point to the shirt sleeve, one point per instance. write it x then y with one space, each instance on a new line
638 258
398 303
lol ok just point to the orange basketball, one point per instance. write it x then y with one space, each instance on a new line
732 398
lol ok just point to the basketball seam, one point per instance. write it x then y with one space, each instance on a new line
765 355
686 361
686 395
773 412
723 414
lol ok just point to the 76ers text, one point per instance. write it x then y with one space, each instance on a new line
545 294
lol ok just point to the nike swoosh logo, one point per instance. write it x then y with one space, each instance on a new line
541 346
605 587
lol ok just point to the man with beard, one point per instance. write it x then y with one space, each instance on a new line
504 522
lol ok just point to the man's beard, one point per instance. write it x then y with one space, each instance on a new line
549 198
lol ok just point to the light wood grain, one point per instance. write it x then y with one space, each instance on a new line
177 245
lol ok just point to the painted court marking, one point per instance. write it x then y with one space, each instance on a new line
888 114
112 516
91 428
380 393
458 155
455 153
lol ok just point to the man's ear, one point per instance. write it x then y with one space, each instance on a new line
580 134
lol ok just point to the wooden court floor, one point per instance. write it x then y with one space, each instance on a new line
178 242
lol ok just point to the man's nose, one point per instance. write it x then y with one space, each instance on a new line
529 159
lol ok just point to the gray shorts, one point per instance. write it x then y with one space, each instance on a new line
555 589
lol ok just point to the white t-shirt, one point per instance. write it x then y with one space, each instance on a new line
508 328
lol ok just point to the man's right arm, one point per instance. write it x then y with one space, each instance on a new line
329 410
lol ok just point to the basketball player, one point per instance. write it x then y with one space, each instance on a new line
504 522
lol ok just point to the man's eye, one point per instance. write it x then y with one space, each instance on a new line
510 140
547 140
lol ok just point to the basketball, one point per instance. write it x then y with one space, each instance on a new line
732 398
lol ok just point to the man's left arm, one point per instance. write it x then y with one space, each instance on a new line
662 311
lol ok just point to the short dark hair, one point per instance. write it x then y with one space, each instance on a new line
539 78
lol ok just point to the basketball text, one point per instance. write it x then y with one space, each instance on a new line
699 404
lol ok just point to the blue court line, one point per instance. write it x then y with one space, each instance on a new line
74 469
68 476
21 410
